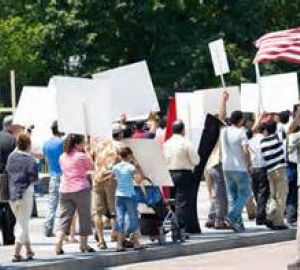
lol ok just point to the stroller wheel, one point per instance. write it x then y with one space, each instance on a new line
182 235
162 236
175 236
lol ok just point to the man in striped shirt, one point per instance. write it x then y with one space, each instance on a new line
273 153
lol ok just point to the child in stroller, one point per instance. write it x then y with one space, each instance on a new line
156 216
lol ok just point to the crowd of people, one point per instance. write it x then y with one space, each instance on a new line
93 180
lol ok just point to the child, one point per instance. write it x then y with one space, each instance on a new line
124 173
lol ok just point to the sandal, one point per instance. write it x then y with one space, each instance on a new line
30 255
16 258
59 250
102 245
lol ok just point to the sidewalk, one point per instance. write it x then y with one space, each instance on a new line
208 241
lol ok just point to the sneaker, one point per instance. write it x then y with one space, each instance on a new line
221 225
233 225
269 224
280 227
209 224
260 222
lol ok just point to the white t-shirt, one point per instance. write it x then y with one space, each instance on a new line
257 160
232 141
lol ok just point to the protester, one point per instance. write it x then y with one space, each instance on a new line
292 174
22 173
75 192
181 158
126 204
215 178
7 145
260 184
294 145
236 165
105 153
52 150
248 124
273 153
141 132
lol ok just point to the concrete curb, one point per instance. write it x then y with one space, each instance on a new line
112 259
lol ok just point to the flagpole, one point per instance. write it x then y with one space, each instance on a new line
260 108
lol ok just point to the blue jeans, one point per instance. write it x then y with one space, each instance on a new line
292 197
238 185
127 215
52 202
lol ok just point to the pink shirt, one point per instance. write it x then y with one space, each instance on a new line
75 166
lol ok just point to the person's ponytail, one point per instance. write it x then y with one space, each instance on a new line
71 141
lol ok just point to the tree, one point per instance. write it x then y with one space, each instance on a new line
20 45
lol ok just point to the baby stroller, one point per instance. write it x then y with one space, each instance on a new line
156 216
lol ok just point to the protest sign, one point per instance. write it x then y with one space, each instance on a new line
249 97
132 91
209 99
219 59
27 109
83 106
183 110
279 92
192 109
149 155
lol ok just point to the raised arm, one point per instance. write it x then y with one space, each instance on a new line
223 105
258 122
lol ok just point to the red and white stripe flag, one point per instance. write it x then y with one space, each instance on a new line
281 45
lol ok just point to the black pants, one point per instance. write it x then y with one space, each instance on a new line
7 223
261 190
186 191
292 198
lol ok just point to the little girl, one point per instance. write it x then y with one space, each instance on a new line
124 173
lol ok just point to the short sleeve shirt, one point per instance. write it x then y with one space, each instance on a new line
232 141
124 174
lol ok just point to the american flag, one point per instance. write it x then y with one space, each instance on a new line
281 45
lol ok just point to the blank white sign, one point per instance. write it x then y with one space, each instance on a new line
149 155
192 109
219 57
279 92
132 90
209 99
27 109
249 97
83 106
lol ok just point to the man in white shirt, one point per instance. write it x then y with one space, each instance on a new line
181 160
236 165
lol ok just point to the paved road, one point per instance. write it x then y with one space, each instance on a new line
275 257
44 247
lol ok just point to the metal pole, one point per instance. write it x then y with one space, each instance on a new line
258 81
13 90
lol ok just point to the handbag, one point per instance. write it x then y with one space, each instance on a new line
4 192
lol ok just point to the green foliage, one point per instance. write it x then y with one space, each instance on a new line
20 49
37 38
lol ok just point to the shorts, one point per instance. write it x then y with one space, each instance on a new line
103 201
